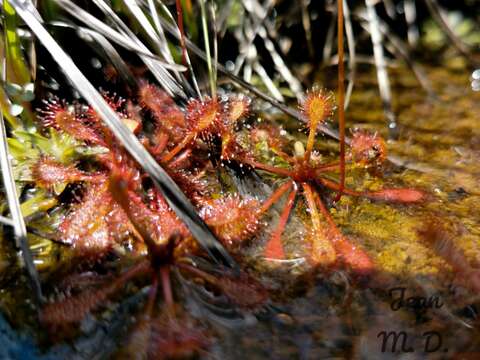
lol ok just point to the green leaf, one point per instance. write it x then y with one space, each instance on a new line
20 72
39 202
60 146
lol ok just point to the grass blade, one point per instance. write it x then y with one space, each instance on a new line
160 42
267 35
402 50
215 43
382 75
6 221
184 51
156 67
270 85
327 48
341 95
20 73
105 49
144 23
352 55
161 34
206 40
110 34
248 42
307 27
410 10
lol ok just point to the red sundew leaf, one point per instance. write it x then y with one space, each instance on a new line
232 219
57 115
130 118
168 222
182 161
155 221
239 288
435 235
173 338
48 172
117 103
157 145
47 114
204 117
193 186
236 108
127 168
72 309
368 148
86 227
82 280
345 253
119 224
323 253
274 249
158 102
166 113
353 256
397 195
232 150
317 106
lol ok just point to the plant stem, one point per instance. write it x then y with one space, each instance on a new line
182 32
274 248
341 97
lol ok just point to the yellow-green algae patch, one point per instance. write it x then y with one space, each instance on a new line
440 143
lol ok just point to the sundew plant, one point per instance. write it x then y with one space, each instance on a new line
230 179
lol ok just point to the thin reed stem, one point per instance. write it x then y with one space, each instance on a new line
182 31
341 97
